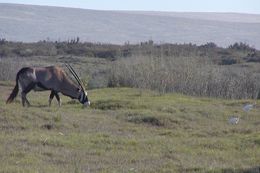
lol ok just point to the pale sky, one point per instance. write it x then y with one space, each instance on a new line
238 6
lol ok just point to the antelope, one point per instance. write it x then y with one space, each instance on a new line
51 78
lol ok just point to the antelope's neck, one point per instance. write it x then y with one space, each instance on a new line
70 89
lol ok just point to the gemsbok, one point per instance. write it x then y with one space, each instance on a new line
51 78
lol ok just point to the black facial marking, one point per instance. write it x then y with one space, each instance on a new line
83 98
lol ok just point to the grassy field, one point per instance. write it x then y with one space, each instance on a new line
128 130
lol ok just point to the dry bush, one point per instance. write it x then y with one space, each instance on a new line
9 68
192 76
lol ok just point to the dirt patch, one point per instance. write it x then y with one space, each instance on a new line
112 105
144 119
48 126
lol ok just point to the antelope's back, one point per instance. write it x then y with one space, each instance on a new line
50 77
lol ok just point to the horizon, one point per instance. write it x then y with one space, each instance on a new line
32 23
201 6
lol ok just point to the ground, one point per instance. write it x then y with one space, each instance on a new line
128 130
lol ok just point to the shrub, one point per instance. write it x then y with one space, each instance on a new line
188 75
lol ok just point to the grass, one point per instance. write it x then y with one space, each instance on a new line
128 130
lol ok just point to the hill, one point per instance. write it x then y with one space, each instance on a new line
128 130
33 23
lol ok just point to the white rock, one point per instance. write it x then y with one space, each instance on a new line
233 120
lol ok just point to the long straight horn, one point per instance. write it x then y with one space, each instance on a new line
77 76
72 71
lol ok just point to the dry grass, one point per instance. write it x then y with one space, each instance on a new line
195 76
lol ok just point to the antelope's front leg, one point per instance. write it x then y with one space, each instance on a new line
51 97
58 98
54 93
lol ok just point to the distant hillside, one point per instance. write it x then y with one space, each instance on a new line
33 23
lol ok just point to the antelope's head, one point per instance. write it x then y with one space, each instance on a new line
83 98
83 95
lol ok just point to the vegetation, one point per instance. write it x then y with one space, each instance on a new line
236 53
188 75
152 128
206 70
128 130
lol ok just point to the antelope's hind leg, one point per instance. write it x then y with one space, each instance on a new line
24 93
25 100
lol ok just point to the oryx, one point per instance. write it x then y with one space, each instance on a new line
51 78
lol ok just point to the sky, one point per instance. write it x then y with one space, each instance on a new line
237 6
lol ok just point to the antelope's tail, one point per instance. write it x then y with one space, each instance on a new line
14 92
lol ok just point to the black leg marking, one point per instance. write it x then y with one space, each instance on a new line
54 93
57 96
51 97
